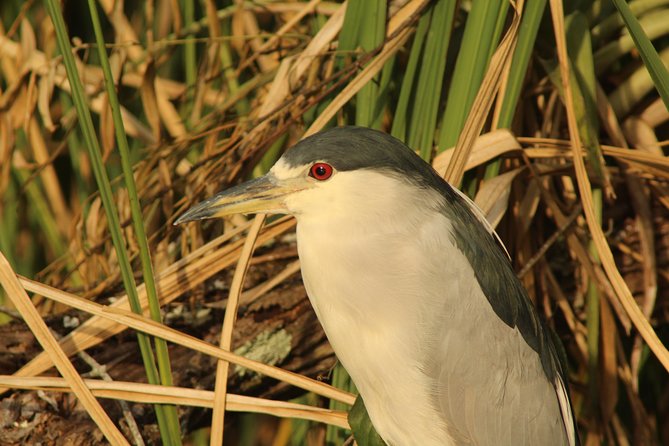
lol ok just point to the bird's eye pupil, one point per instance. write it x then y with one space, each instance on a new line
321 171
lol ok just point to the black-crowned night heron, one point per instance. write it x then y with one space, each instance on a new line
415 292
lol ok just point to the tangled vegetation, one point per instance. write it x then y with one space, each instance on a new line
552 115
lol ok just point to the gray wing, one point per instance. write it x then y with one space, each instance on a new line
492 389
497 374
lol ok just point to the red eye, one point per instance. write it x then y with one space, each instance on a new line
320 171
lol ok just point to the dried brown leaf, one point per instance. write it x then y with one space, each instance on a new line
149 100
486 147
107 138
181 396
622 291
493 195
180 277
17 294
222 367
45 91
126 318
608 384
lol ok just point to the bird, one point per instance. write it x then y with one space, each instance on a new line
415 292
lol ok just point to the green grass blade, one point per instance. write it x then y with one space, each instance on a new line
499 26
348 42
648 53
584 87
300 428
430 79
527 34
400 119
171 433
86 125
88 132
341 380
592 317
470 67
364 29
372 33
350 29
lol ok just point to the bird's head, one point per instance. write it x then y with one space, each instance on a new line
342 171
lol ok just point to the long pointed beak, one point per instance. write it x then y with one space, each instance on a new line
262 195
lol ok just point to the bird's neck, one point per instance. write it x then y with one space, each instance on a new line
364 287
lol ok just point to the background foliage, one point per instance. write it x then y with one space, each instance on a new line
210 93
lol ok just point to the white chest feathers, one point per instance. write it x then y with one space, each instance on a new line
367 286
